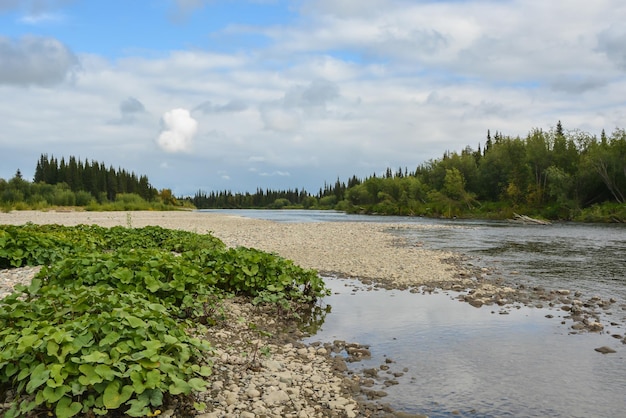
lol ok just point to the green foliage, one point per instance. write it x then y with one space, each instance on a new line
102 326
90 349
558 174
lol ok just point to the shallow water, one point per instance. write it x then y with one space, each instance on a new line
471 361
477 363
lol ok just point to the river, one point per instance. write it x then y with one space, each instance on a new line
457 360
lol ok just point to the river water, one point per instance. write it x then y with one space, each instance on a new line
458 360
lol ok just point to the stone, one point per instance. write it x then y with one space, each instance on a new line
605 350
276 397
253 393
272 365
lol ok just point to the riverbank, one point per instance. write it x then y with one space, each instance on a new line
367 251
272 372
268 370
351 249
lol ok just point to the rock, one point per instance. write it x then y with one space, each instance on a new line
231 398
273 365
253 393
605 350
278 396
370 372
476 303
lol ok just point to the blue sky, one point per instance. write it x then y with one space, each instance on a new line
213 94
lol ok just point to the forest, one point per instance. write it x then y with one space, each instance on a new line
88 184
554 174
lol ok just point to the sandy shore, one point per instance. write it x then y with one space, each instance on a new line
353 249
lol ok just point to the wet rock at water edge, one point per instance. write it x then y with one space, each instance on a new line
370 372
374 394
605 350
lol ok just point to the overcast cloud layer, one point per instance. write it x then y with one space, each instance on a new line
217 94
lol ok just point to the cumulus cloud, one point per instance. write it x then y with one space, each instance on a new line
34 60
179 129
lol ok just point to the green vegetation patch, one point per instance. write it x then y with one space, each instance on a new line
103 327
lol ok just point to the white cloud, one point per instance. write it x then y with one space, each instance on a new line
179 129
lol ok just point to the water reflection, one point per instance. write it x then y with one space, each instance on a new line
470 360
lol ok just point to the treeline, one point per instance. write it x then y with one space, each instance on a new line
88 184
554 174
273 199
93 177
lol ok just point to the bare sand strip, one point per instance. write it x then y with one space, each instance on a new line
354 249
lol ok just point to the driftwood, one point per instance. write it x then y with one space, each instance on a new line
528 220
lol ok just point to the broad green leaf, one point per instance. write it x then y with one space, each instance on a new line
27 341
52 348
205 371
89 375
138 381
52 395
105 372
168 339
66 408
179 386
58 374
138 408
113 398
135 322
153 396
38 377
96 357
153 379
152 284
152 346
84 340
158 307
124 275
110 338
197 384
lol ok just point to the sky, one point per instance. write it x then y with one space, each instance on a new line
240 94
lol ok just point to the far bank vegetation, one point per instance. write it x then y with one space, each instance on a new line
554 174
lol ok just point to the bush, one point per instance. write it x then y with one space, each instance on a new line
83 198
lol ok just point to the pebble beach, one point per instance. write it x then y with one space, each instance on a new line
296 380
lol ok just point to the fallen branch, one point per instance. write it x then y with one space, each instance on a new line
528 220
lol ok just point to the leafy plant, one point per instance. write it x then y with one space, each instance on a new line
102 327
88 349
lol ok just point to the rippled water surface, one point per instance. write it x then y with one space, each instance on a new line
478 362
